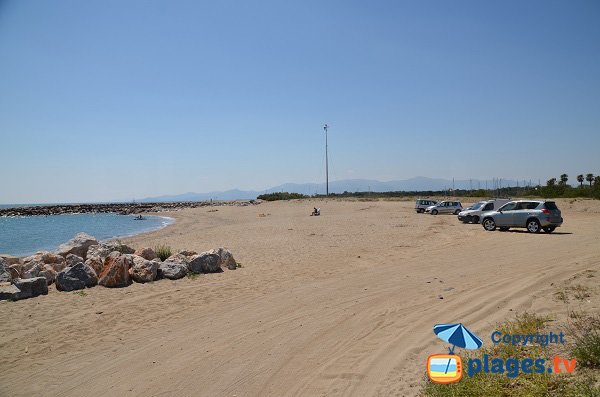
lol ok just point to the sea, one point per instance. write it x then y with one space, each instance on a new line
25 235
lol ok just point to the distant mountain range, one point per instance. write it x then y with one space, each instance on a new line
419 183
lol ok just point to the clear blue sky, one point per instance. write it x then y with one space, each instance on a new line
111 100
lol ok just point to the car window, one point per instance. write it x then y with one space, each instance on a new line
531 206
488 207
520 206
508 207
551 205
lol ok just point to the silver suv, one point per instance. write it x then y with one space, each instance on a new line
422 204
534 215
445 207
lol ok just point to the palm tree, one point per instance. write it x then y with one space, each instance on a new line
589 178
563 179
580 179
551 182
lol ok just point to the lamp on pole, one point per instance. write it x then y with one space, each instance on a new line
325 127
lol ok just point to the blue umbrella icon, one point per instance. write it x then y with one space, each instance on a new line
457 335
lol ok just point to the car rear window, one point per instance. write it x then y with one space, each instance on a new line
551 205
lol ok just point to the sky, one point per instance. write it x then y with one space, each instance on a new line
122 99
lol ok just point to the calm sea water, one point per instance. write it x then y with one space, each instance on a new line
25 235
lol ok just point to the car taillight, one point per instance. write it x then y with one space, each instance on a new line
545 211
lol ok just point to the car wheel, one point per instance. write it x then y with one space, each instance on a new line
434 212
503 229
420 210
475 219
533 226
549 229
467 219
489 224
456 212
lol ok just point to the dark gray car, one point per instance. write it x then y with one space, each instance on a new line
534 215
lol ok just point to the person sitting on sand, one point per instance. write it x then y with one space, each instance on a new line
316 212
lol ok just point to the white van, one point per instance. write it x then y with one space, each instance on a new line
473 213
422 204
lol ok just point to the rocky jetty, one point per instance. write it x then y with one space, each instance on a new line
118 208
83 262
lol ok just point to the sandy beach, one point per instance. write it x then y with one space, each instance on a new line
341 304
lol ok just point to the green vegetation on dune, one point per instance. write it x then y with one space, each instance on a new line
163 252
281 196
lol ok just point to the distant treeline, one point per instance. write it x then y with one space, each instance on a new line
555 188
281 196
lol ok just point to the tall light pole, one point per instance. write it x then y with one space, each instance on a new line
325 127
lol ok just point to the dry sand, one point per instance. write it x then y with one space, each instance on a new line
341 304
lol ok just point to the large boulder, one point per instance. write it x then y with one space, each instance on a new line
95 262
35 263
16 270
146 253
52 259
5 276
102 250
174 267
8 291
143 271
172 270
225 258
49 273
205 262
72 260
78 245
119 246
11 260
76 277
178 258
31 287
115 273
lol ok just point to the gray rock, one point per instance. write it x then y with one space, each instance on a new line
72 260
11 260
49 273
143 271
206 262
15 270
172 270
78 245
122 248
31 287
5 275
225 258
76 277
100 251
146 253
178 258
9 291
